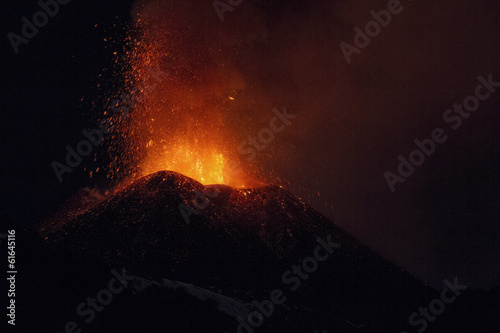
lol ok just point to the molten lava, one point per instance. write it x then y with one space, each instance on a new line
205 167
179 94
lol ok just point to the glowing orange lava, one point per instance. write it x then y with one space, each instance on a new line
177 121
206 167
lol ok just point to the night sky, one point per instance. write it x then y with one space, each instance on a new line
353 119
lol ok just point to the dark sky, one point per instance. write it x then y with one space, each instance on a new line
353 120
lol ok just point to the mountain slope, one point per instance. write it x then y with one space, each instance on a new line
232 252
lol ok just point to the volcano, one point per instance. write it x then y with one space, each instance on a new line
195 258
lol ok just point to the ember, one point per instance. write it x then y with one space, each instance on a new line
177 122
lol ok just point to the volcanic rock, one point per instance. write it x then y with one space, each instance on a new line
207 269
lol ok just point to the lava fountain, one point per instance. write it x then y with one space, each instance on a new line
181 91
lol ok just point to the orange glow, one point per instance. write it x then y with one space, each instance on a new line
205 167
177 121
